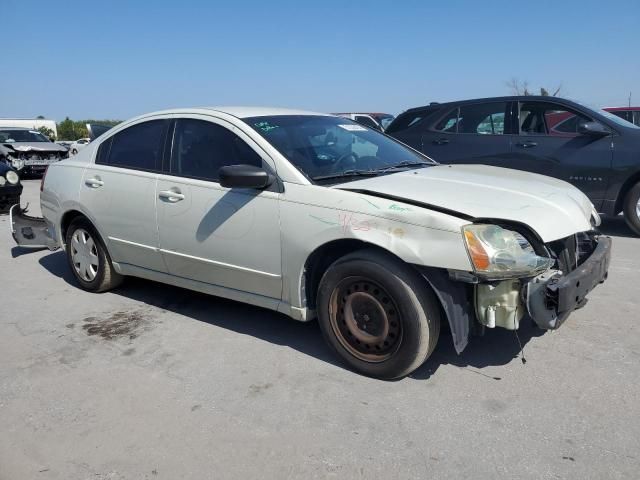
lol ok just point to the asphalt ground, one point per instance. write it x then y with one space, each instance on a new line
155 382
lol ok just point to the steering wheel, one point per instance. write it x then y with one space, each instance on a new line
338 167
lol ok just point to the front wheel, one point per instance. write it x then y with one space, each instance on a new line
88 258
632 208
378 314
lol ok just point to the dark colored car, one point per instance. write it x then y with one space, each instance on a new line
378 121
630 114
10 187
594 150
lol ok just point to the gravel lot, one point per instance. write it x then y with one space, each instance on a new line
156 382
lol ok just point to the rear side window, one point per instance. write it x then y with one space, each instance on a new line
138 147
482 118
408 120
201 148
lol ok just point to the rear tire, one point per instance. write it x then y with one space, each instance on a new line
631 208
378 314
89 259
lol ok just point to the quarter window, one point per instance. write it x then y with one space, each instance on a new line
138 147
201 148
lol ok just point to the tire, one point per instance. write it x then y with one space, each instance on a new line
631 208
378 314
74 152
89 259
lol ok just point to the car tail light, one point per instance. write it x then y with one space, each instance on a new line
43 177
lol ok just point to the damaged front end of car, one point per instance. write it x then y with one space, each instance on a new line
30 159
515 275
30 232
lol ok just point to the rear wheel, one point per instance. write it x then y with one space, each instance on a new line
632 208
88 258
378 314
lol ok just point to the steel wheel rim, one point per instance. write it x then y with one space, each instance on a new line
84 255
365 319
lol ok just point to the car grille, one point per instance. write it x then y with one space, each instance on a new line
572 251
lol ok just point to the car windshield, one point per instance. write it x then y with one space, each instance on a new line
328 148
10 136
610 116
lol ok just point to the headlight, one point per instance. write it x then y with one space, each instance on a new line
2 180
500 253
17 163
12 177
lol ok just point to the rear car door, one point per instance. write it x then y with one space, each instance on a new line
470 133
119 188
549 143
220 236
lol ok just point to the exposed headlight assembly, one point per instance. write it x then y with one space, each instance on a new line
2 181
498 253
12 177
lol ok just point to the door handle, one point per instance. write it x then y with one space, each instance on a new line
171 196
93 182
527 144
441 141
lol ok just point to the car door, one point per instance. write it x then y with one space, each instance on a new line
119 189
549 143
220 236
471 133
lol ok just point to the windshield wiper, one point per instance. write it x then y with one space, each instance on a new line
348 173
401 165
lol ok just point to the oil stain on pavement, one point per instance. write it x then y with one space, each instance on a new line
117 325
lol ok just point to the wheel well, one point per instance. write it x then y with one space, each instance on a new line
628 185
322 257
67 218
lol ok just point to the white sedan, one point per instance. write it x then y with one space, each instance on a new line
78 145
316 216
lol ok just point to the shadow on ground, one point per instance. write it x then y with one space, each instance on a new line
497 347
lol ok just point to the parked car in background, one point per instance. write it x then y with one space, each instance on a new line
78 145
630 114
315 215
28 151
65 143
379 121
10 187
594 150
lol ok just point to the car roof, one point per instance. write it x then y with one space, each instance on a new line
239 112
512 98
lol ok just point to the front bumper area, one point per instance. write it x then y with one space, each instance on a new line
551 297
30 232
9 195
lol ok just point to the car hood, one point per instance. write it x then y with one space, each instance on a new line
552 208
34 147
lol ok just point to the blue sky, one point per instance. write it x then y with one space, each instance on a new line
120 59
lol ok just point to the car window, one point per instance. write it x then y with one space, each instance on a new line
408 120
482 118
366 121
201 148
636 118
448 123
540 118
138 147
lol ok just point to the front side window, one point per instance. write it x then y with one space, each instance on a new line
138 147
482 118
448 123
324 146
201 148
540 118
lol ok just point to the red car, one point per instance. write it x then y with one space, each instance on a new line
630 114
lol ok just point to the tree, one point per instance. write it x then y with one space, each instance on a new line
522 88
66 129
47 132
74 129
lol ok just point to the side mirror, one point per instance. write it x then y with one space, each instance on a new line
593 129
244 176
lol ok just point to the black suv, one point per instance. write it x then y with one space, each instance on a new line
592 149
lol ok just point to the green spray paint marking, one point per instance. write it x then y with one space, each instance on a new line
328 222
398 208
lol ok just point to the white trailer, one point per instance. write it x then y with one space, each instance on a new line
33 123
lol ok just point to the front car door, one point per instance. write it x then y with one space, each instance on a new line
225 237
550 143
471 133
118 190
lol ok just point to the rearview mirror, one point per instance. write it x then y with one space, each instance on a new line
244 176
593 129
